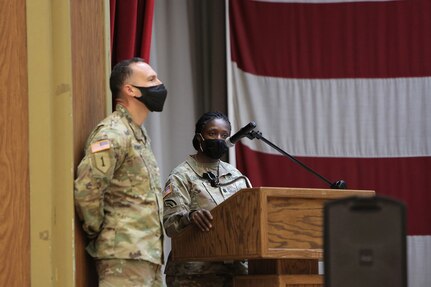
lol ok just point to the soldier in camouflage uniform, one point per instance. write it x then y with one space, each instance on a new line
117 190
195 187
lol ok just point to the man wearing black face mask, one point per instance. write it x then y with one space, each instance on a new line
192 190
117 189
153 97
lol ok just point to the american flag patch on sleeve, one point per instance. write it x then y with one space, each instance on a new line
167 191
100 145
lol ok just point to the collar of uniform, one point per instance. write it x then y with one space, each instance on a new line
200 168
138 131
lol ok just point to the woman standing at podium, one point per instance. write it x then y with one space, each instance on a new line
194 188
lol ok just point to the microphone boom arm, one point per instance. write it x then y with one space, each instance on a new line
340 184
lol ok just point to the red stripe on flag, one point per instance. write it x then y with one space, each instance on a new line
337 40
405 179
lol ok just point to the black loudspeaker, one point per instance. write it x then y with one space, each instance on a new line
365 242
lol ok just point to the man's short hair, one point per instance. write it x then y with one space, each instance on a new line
120 73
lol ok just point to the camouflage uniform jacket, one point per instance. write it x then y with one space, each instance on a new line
187 190
118 194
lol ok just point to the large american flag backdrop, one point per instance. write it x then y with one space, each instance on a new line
345 87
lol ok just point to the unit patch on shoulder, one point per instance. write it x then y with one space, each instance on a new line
170 203
100 145
102 161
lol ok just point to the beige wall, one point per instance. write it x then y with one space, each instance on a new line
53 89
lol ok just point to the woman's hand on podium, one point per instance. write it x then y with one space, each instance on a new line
202 219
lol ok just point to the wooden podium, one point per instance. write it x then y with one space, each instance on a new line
279 231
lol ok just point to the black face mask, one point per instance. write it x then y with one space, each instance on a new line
153 97
214 148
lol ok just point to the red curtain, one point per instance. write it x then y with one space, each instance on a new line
131 25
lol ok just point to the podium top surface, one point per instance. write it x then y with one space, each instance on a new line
311 192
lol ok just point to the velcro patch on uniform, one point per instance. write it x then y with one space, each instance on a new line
102 161
170 203
100 145
167 191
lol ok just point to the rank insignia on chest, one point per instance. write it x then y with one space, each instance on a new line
100 145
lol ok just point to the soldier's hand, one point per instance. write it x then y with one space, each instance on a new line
202 219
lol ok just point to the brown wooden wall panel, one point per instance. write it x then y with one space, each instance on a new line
14 144
89 100
292 217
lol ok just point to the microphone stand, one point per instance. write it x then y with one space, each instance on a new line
340 184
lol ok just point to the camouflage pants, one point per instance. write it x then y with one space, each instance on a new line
204 280
128 273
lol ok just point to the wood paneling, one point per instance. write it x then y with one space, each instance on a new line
14 143
89 101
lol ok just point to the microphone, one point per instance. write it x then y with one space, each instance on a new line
231 141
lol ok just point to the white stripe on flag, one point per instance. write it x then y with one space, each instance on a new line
379 117
321 1
418 247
